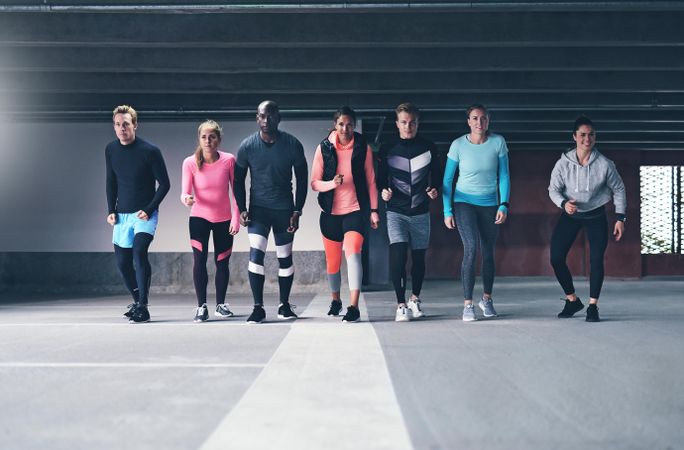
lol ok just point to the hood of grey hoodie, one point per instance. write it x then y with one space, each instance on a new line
585 184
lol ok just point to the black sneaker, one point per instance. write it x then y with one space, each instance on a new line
570 308
335 308
258 315
285 311
352 315
140 314
130 309
592 313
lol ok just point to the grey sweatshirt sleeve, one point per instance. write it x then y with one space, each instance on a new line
557 185
614 182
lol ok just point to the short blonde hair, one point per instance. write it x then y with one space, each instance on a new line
125 109
408 108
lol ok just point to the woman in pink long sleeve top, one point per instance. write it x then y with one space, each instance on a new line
207 179
343 175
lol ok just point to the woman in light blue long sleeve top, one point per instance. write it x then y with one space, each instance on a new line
479 204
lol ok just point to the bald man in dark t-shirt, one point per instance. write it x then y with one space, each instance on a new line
270 156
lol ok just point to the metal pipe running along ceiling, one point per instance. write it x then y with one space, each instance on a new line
256 7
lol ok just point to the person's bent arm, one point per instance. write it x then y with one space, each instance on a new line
504 183
163 183
234 210
317 182
557 186
186 183
239 187
447 186
111 185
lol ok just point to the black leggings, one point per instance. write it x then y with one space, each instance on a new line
137 280
562 239
398 257
223 247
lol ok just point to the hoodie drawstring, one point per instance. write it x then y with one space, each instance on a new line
588 173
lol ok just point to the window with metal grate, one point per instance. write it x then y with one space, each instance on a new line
661 209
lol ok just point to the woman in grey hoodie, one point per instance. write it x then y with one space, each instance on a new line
582 182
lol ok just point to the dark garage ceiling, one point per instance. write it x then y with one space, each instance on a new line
537 65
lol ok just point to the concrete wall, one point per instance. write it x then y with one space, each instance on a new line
52 184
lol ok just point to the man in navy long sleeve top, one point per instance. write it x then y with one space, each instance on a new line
137 182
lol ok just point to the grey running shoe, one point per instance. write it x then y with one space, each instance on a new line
416 310
469 313
222 311
201 313
402 314
487 307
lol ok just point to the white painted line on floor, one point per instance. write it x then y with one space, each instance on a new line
129 365
326 387
148 324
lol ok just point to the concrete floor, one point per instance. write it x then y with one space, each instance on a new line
75 375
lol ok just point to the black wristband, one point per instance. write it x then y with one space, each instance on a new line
374 210
563 204
506 204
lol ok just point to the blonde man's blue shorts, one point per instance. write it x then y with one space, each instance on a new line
128 225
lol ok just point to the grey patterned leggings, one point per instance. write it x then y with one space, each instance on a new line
476 223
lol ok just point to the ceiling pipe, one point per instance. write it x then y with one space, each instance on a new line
255 7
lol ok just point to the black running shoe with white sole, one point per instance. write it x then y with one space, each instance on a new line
335 308
140 314
353 314
129 310
258 315
285 311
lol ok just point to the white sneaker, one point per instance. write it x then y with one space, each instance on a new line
222 311
416 310
201 313
402 314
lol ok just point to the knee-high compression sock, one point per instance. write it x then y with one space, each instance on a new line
417 271
124 261
283 243
398 269
199 270
258 238
143 270
333 262
353 242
